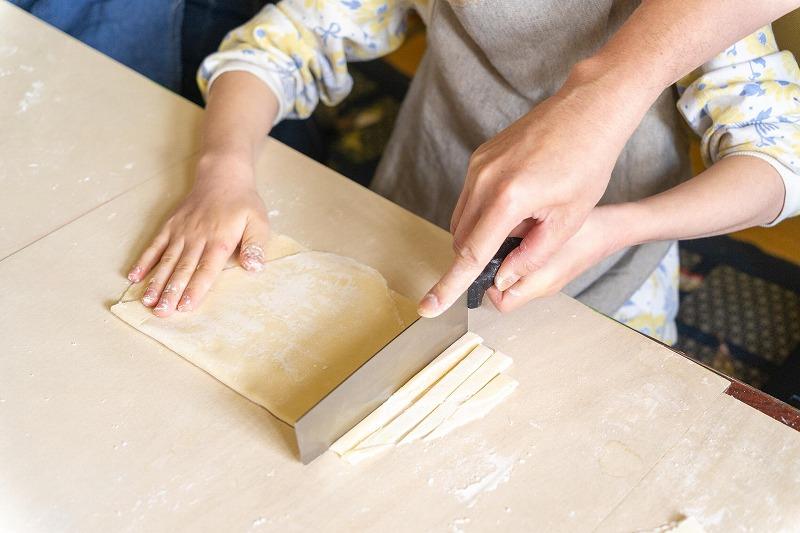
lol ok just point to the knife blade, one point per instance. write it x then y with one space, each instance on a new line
378 378
399 360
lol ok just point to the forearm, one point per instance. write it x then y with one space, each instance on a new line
238 116
301 50
660 42
736 193
665 39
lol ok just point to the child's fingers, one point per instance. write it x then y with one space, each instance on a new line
173 290
251 254
209 266
149 257
162 272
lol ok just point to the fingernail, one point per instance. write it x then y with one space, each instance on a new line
429 306
503 283
170 289
253 265
149 296
162 305
185 304
135 275
252 257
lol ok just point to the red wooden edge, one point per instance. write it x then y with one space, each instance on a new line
769 405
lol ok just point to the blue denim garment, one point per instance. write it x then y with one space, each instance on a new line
205 24
165 40
142 34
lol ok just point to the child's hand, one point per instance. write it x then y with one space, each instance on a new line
222 211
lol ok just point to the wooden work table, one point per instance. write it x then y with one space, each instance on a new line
77 129
104 429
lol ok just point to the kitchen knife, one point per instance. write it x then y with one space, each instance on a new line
380 376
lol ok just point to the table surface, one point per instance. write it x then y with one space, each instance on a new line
104 429
73 138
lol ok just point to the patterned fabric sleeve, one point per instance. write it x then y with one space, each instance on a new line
300 48
746 101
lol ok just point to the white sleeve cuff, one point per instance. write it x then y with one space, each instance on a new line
791 184
273 84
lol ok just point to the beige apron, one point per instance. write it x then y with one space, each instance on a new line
487 63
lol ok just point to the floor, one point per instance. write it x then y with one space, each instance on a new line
781 241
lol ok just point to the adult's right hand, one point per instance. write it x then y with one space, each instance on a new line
538 179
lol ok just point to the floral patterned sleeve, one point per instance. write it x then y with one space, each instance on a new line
746 101
300 48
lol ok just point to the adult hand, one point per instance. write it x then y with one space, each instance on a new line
222 211
602 234
733 194
538 179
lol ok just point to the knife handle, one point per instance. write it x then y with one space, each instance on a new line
486 279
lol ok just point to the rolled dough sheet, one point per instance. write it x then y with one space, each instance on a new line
408 419
496 364
286 336
408 393
439 396
685 525
497 390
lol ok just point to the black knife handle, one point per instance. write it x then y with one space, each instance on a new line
486 279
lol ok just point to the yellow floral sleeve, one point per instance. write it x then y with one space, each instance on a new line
746 101
300 48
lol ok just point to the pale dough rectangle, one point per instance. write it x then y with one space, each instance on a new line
408 393
462 384
286 336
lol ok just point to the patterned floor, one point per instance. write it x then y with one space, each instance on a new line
740 313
